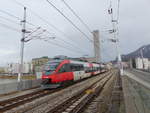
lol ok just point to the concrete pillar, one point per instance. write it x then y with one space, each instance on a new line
130 63
96 45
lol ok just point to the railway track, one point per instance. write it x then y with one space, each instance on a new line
23 99
76 103
20 100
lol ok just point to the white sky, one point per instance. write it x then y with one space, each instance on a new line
133 26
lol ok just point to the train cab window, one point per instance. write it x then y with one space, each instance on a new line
50 67
64 68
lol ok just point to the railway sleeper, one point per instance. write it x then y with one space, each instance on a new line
86 98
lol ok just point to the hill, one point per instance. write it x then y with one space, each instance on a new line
137 53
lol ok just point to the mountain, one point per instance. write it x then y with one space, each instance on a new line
144 49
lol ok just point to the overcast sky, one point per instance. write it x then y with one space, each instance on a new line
133 28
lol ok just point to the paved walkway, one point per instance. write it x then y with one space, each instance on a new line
138 79
141 74
136 94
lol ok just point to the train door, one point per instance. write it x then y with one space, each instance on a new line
64 73
78 71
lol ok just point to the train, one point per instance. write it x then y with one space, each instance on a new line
57 72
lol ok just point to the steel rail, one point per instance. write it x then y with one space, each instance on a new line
11 103
76 103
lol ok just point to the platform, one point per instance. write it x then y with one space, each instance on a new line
136 93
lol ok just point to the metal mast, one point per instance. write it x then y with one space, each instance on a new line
115 38
22 45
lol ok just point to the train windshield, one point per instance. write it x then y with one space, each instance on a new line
50 67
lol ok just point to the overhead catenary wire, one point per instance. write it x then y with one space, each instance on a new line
67 42
7 19
86 36
73 53
46 38
38 36
12 21
56 44
115 28
48 23
77 51
71 9
2 11
115 20
69 20
118 11
9 27
33 31
59 39
106 54
53 26
86 26
14 16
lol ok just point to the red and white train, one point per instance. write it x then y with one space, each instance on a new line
58 72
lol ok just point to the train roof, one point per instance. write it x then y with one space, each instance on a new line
73 61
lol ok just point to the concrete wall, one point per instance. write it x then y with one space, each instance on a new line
16 86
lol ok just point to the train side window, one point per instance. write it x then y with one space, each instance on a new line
76 67
86 69
72 67
64 68
81 67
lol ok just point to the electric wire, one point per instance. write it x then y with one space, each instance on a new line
12 21
6 26
48 23
72 23
14 29
69 20
96 43
38 36
115 27
56 44
33 32
47 40
118 11
9 27
66 42
71 9
86 26
16 17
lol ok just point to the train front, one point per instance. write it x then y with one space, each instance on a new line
49 75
